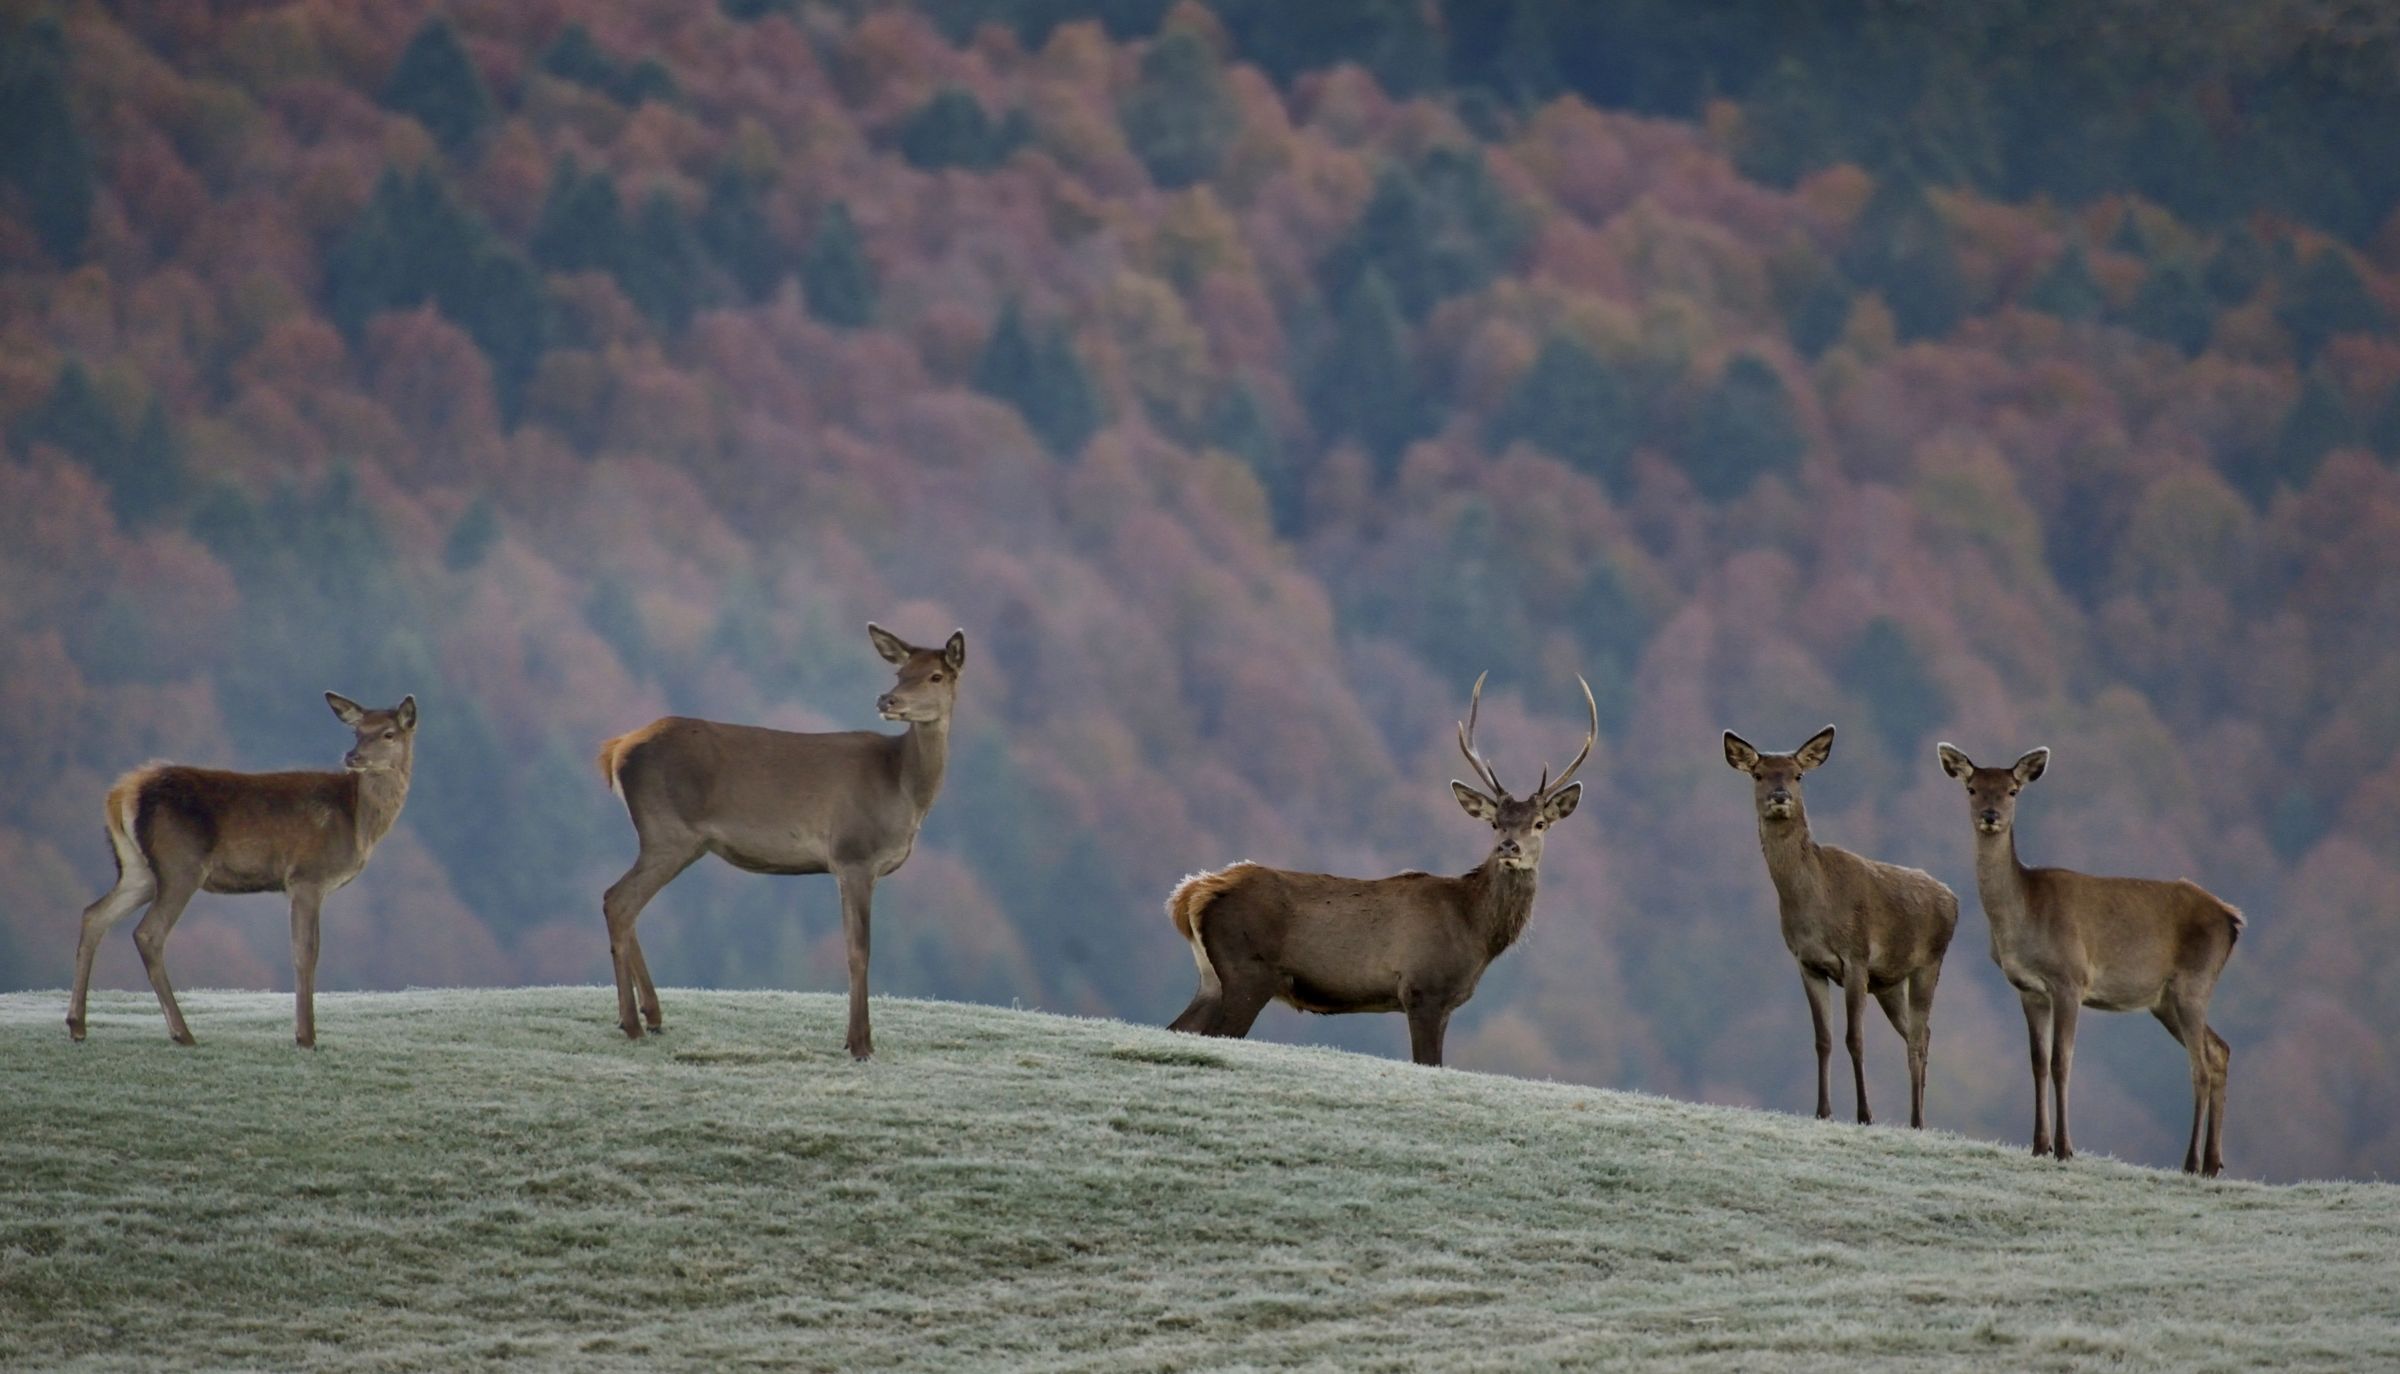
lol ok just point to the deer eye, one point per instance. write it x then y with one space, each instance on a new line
1541 825
391 734
935 678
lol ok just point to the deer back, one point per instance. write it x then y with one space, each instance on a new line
771 800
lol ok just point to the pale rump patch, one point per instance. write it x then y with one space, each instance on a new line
123 811
613 752
1189 902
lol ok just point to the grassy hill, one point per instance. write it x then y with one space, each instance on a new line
468 1178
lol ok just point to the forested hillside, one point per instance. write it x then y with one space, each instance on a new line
1244 388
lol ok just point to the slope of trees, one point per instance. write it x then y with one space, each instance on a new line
1244 382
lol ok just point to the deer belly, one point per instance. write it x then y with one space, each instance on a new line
1303 994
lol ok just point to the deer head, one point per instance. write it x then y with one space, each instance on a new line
1518 826
1775 778
1992 792
386 740
928 685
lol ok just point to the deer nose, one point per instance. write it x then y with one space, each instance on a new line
1990 816
885 702
1509 847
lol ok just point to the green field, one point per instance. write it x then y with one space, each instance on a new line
469 1178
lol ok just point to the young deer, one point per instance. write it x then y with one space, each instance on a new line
176 831
2068 940
1413 943
772 801
1874 928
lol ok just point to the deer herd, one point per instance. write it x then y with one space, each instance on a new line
850 804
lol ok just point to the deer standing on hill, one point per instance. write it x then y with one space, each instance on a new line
1874 928
1413 943
2068 940
176 831
774 801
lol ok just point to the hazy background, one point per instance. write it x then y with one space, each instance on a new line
1244 380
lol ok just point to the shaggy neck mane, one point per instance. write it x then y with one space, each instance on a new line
1500 902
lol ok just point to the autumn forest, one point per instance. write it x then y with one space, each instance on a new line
1245 380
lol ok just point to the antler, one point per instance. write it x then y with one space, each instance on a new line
1589 739
1466 742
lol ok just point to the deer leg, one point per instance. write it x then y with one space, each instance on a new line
2220 1067
133 888
1921 985
1854 1034
2170 1016
2063 1012
1820 1013
621 906
305 904
1201 1011
645 992
858 893
1428 1021
1238 1004
150 938
2037 1033
1895 1003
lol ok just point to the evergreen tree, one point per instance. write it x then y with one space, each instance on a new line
149 476
1043 378
1362 386
472 536
573 56
582 225
1180 117
1574 406
1819 316
2067 289
1238 422
734 227
436 84
2173 305
42 153
2383 432
951 130
1904 701
1438 231
1745 428
1902 248
835 275
73 418
662 273
2239 265
2326 298
2318 423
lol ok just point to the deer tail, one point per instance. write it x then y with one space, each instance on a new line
1188 904
614 750
124 816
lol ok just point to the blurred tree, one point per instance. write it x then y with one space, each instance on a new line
2327 297
835 276
611 612
1397 40
2174 306
1432 233
2318 423
582 226
2238 266
73 417
436 84
1239 423
1043 378
472 536
573 56
2383 431
1577 408
952 130
43 154
1744 428
1901 247
1362 385
2067 289
1905 702
734 227
661 275
1179 117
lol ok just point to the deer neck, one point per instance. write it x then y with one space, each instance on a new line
924 753
379 796
1791 858
2000 878
1500 902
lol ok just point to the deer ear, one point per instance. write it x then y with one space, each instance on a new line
954 653
349 712
407 712
893 648
1954 763
1561 804
1739 753
2030 767
1818 749
1474 803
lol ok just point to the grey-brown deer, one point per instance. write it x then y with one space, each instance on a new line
178 831
2068 940
776 801
1874 929
1414 943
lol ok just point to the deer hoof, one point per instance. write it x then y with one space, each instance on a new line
305 1042
861 1050
74 1030
183 1038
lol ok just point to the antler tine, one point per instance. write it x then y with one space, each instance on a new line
1466 741
1590 738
